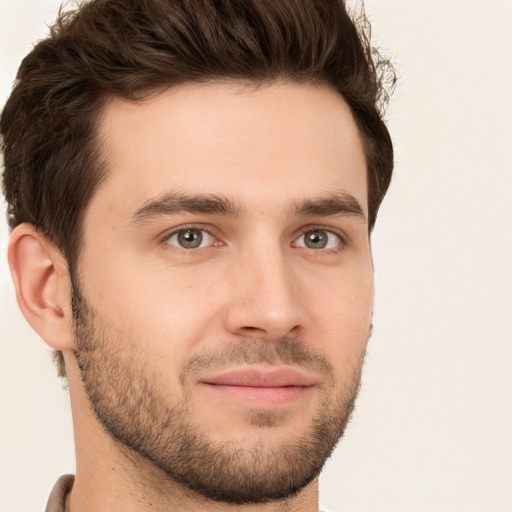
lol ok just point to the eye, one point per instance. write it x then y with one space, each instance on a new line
318 239
190 239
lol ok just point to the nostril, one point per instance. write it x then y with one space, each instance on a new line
295 332
251 329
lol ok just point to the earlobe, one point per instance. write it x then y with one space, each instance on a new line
42 285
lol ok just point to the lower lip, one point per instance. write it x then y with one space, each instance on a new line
261 396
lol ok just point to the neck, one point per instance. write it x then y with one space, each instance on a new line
115 484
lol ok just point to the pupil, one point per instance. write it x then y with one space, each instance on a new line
316 240
190 239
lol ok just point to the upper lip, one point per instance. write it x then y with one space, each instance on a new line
261 378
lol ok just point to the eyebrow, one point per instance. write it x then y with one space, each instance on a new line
173 203
333 204
170 204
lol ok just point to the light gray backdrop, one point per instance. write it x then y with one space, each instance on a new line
432 429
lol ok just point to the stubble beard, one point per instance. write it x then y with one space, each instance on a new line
135 412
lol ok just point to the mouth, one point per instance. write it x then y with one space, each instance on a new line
263 387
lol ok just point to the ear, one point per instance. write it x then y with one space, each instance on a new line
43 287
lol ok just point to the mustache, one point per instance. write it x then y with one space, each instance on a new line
283 351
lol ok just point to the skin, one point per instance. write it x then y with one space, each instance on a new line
254 281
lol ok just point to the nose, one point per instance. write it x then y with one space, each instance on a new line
266 300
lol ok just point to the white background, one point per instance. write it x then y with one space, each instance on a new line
433 425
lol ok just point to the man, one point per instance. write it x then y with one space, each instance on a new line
191 187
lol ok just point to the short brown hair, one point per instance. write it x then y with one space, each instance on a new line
130 48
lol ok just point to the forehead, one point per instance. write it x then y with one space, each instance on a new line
266 145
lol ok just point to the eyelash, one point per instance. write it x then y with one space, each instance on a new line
342 242
202 228
297 235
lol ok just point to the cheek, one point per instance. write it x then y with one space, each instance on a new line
343 314
159 312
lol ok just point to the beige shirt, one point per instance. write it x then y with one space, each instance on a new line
57 500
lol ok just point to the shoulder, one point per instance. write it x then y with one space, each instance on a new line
57 499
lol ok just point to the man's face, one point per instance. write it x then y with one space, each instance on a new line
225 285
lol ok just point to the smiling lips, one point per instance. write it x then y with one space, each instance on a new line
261 387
